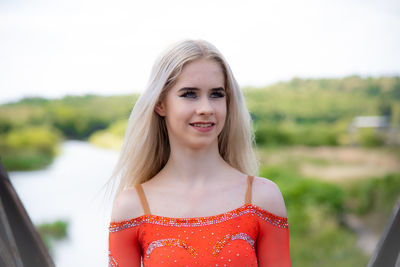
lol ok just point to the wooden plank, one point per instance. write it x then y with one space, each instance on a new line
9 255
387 251
29 245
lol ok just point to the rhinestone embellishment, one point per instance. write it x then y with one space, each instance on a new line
111 261
173 242
248 208
229 237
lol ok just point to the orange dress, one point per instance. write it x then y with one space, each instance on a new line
245 236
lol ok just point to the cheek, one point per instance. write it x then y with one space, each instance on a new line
177 116
222 113
223 109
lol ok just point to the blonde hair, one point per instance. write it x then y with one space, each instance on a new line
145 149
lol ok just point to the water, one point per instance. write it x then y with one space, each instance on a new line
69 189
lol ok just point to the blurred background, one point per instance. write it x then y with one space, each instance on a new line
321 80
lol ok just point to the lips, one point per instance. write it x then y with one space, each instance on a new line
202 124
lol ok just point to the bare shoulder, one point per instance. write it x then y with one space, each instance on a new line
266 195
126 206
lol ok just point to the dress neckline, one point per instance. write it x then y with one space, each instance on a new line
201 218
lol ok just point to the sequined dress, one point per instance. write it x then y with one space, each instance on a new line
245 236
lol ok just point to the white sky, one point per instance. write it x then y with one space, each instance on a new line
53 48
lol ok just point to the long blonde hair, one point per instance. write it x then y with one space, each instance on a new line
145 149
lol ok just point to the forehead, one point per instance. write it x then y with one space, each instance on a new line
201 73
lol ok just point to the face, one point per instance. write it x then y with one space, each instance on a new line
195 107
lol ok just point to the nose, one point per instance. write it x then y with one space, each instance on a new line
205 107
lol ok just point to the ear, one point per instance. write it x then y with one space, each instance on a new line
160 108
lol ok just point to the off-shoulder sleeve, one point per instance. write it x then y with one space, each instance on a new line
273 241
123 245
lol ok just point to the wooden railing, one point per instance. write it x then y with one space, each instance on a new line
20 243
387 251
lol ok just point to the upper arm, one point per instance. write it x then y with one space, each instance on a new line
266 195
123 244
126 206
273 238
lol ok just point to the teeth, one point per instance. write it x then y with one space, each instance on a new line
202 125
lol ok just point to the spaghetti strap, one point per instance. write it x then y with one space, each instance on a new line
249 187
143 199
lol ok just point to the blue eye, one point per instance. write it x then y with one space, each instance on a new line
217 95
193 94
190 94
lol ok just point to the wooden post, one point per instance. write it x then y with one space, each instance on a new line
20 243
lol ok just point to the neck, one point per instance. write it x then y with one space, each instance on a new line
188 168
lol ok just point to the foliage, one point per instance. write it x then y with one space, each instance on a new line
79 117
56 230
317 236
76 117
292 134
51 232
111 137
28 148
32 137
301 191
318 111
375 195
31 129
371 138
28 160
310 112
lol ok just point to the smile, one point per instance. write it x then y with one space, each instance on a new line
203 127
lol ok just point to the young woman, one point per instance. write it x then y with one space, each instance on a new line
187 195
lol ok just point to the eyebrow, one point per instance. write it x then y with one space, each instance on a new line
197 89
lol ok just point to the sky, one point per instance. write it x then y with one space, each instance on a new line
77 47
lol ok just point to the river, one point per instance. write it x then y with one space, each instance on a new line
71 189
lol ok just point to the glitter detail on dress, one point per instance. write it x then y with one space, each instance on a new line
173 242
273 219
111 261
229 237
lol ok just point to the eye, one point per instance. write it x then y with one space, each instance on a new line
189 94
217 94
